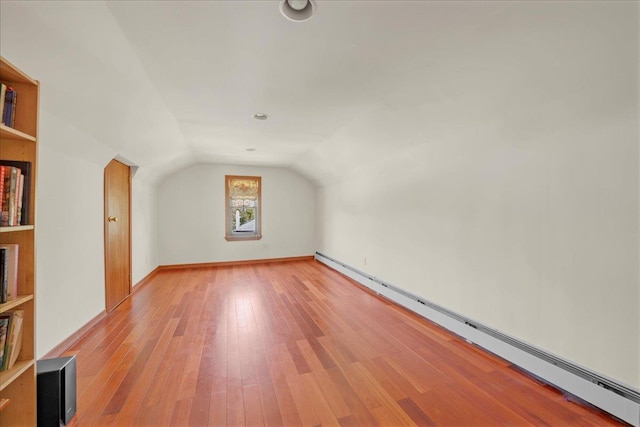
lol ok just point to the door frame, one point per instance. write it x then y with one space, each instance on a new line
106 233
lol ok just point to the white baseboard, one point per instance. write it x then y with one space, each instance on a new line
619 400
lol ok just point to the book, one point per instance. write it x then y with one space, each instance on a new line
25 168
3 91
4 329
9 200
11 178
12 195
10 102
13 343
4 203
5 350
6 107
4 276
1 188
19 191
11 270
6 197
14 103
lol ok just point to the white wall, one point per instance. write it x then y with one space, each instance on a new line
144 251
538 242
514 198
191 216
73 151
70 234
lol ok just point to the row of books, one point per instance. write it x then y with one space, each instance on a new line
8 102
11 326
15 191
8 272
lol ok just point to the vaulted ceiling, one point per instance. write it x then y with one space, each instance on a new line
169 83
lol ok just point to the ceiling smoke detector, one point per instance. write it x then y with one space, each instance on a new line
260 116
298 10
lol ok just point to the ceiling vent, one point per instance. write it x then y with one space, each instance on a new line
298 10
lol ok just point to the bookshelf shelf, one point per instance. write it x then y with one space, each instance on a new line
16 228
7 132
19 145
15 303
9 376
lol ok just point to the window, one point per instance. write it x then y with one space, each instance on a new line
243 206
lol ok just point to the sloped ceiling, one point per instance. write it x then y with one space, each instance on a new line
169 83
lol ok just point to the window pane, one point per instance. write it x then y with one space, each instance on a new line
243 200
243 220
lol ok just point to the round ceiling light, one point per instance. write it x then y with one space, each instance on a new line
298 10
260 116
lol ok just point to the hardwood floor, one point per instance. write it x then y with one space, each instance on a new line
290 344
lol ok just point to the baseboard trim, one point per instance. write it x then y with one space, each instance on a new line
75 337
146 279
619 400
235 263
72 339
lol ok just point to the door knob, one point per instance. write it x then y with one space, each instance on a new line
113 219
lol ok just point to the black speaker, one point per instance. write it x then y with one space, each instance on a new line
56 391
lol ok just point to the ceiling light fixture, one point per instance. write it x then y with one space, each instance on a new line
260 116
298 10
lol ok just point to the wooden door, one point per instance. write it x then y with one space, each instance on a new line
117 233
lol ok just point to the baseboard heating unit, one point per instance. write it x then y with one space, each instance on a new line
621 401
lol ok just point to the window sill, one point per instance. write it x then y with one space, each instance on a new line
241 238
